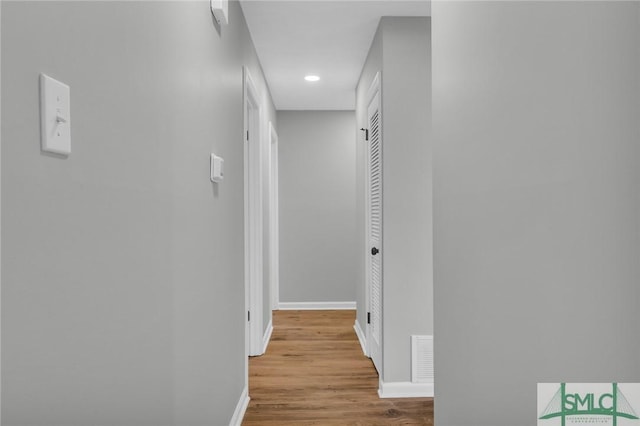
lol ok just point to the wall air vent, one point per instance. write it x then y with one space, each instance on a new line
422 359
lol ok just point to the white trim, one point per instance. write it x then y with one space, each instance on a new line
361 337
316 306
274 219
253 212
267 336
405 390
374 88
241 408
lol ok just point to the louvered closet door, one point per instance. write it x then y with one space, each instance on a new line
375 230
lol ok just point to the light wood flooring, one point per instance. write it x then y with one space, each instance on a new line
314 373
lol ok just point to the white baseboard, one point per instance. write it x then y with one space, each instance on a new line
267 336
361 337
241 408
405 390
313 306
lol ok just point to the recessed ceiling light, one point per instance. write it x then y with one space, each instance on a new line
312 78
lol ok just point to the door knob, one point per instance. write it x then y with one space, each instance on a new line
374 251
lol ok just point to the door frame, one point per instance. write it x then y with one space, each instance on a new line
253 213
274 223
374 88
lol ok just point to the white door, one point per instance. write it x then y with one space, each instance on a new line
253 212
374 136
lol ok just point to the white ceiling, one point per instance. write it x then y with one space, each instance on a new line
328 38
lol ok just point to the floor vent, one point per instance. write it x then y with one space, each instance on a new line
422 359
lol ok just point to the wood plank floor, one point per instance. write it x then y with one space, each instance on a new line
314 373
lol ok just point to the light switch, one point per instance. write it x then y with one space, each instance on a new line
55 116
217 168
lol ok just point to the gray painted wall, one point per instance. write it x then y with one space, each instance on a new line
317 206
402 47
122 267
537 162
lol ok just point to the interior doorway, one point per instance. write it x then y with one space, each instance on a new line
253 216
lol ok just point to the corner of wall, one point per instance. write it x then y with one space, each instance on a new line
267 336
362 337
241 408
405 390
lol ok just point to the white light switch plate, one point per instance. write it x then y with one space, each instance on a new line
55 116
217 168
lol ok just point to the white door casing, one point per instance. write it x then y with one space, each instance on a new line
253 212
274 245
374 224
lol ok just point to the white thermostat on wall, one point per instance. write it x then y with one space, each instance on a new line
217 168
220 9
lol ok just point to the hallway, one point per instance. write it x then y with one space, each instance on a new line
314 373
